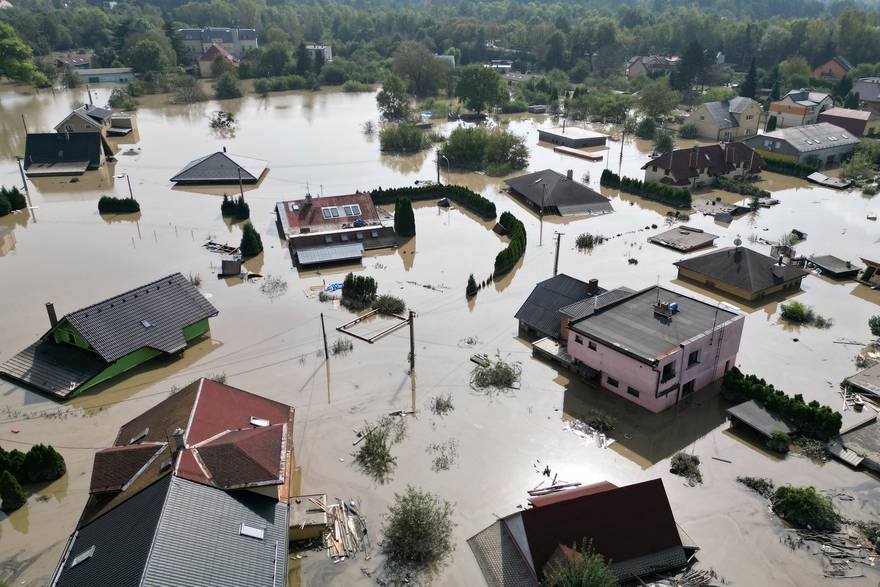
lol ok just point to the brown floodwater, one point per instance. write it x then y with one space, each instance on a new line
63 251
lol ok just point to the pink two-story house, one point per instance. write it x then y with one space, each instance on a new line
655 346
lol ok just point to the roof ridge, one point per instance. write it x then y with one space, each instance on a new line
117 296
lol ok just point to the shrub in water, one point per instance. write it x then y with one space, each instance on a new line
779 442
417 535
43 463
403 138
358 291
804 507
516 248
471 289
687 466
111 205
251 243
387 304
16 199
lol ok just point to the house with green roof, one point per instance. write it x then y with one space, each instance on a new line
104 340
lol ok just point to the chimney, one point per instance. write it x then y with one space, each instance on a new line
177 441
779 262
53 318
224 148
570 174
308 201
592 286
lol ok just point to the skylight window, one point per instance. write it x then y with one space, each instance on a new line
146 324
251 531
140 436
261 422
83 556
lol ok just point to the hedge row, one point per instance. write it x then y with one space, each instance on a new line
460 195
280 84
507 258
788 167
739 187
810 419
675 197
111 205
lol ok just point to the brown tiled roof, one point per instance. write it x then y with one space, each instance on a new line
685 164
116 467
240 458
624 524
215 50
742 268
311 215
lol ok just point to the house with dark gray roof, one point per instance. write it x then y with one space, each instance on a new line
221 168
53 154
631 527
868 89
821 144
194 492
104 340
540 313
741 272
728 120
655 347
550 192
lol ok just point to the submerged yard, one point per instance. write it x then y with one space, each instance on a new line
64 252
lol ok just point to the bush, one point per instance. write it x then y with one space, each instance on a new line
120 99
801 314
227 207
646 129
476 148
112 205
585 568
496 374
688 131
779 442
671 196
600 421
5 206
11 199
387 304
874 325
11 493
472 288
514 106
663 142
358 291
788 167
404 218
374 454
42 463
12 461
588 241
759 485
355 86
804 507
251 243
332 74
280 84
417 535
236 207
227 87
462 196
739 187
516 248
812 420
402 138
687 466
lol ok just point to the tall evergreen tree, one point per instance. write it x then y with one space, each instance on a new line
750 85
251 243
318 62
303 61
843 87
404 218
11 493
852 100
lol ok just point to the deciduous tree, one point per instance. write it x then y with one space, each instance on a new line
478 87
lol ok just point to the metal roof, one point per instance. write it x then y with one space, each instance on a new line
221 167
177 532
330 253
153 315
756 417
53 368
541 309
684 238
631 326
723 113
54 147
811 137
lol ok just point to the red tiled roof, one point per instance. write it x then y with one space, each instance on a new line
685 164
312 215
117 466
244 457
215 50
623 524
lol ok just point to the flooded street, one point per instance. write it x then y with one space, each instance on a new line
64 252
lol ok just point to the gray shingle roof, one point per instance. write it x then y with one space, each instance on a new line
221 167
868 89
176 532
631 326
53 147
116 327
755 416
811 137
53 368
584 308
723 113
540 311
742 268
566 195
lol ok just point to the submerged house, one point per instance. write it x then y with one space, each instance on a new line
206 61
728 120
221 168
632 528
800 107
550 192
741 272
333 229
697 166
193 491
656 346
52 153
90 119
99 342
539 314
821 144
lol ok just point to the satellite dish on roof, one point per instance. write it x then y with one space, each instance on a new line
738 241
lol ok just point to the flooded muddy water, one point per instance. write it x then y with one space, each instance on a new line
63 251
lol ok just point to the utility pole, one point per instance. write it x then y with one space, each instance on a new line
556 261
412 341
24 122
89 90
622 140
324 333
438 169
128 179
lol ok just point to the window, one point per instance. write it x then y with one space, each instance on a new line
693 358
687 388
374 233
591 345
325 212
749 116
360 236
352 210
632 391
612 382
83 556
293 206
668 372
251 531
667 391
259 422
578 339
146 324
328 239
343 237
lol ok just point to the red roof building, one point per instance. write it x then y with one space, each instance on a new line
698 165
207 58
